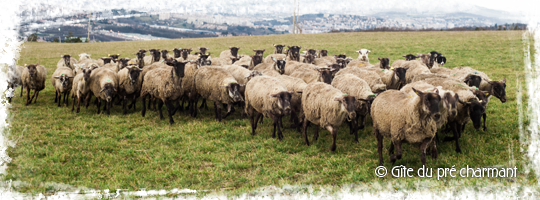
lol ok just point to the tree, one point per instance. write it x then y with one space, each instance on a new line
55 40
33 37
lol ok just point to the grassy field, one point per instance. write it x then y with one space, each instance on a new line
132 152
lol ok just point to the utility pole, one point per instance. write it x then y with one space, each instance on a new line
89 24
534 14
294 16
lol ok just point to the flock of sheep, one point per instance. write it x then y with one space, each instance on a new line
408 100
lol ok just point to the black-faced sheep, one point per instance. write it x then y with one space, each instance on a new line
33 78
14 80
278 65
403 117
384 64
296 85
393 78
318 75
278 48
61 80
267 96
129 85
293 53
326 107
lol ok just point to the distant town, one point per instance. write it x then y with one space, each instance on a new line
123 25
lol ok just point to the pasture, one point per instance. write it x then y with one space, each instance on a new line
119 151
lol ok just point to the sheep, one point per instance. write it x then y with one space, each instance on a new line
309 58
319 75
277 64
408 57
139 60
129 85
188 83
362 61
84 56
291 66
279 48
165 84
12 80
495 88
116 67
103 84
393 78
153 57
218 85
165 55
244 61
420 77
111 58
267 96
441 70
66 61
202 50
269 72
33 78
424 58
414 68
384 64
61 80
406 118
322 62
327 107
297 86
81 88
255 60
259 52
269 58
469 107
232 52
372 78
293 53
322 53
358 88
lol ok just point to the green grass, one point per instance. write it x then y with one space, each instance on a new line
132 152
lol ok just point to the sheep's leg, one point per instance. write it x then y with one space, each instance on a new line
261 121
143 112
280 134
304 125
98 105
87 100
149 103
134 103
316 135
217 108
455 128
484 116
391 149
423 148
463 128
363 119
354 123
27 96
434 149
194 107
22 87
296 124
56 97
160 105
66 99
79 103
170 110
177 106
396 156
253 125
351 129
379 145
257 116
230 109
37 94
124 102
202 104
154 101
73 105
334 136
109 105
119 100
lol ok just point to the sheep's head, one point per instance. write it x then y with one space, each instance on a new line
430 101
140 55
234 91
279 48
348 104
312 51
179 68
450 102
342 62
155 54
234 51
284 101
67 59
234 59
84 56
253 74
368 101
279 65
399 74
110 90
363 54
259 52
309 58
326 74
164 53
256 59
203 50
203 60
323 53
11 62
245 66
123 62
385 62
410 57
86 74
32 70
424 58
335 68
133 72
473 80
176 52
294 52
433 58
476 110
106 60
342 56
114 57
142 50
498 89
64 80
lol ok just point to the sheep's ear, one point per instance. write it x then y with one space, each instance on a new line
338 99
274 95
436 90
241 85
71 77
419 93
378 58
290 92
57 77
403 55
301 91
503 81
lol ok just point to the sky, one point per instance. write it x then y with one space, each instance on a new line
507 5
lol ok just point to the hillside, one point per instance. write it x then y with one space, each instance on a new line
50 152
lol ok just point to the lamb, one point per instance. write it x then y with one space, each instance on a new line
81 88
384 64
165 55
393 78
414 68
61 80
218 85
405 118
277 64
358 88
66 61
362 61
267 96
496 88
103 84
469 107
372 78
327 107
164 84
12 80
33 78
309 58
202 50
129 85
319 75
293 53
279 48
297 86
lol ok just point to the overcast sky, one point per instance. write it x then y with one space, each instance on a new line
507 5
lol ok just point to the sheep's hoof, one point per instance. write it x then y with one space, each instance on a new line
333 148
458 150
393 158
484 129
171 122
356 141
380 163
129 106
